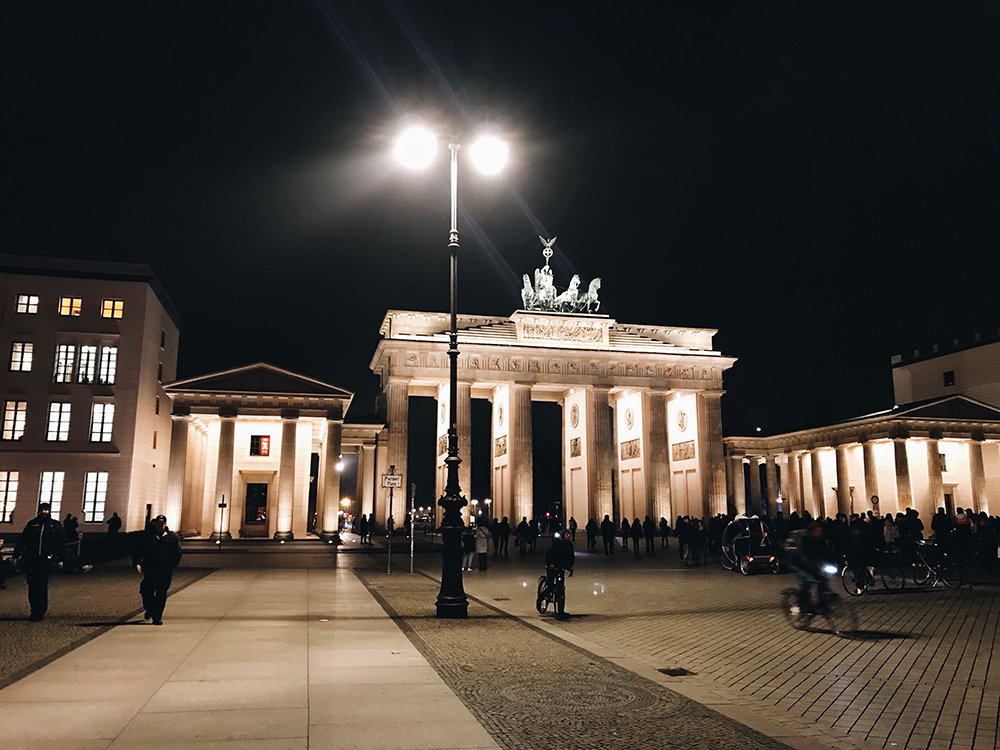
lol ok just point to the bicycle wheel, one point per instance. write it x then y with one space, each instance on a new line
920 573
949 573
790 607
892 576
855 580
542 601
840 616
559 601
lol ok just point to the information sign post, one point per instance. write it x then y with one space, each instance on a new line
392 480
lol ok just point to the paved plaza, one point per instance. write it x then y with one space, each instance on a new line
336 653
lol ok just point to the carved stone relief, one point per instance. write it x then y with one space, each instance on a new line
500 449
630 449
442 444
683 451
574 447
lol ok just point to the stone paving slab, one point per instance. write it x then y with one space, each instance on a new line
920 674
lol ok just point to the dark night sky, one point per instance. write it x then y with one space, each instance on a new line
818 181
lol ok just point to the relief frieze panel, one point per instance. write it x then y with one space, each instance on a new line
683 451
500 446
574 448
630 449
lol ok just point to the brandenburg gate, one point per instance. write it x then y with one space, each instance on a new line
640 404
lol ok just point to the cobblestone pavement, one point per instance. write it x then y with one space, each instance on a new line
533 691
81 607
920 674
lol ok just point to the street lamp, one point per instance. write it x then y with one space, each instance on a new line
415 148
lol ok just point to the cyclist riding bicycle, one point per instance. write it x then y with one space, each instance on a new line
807 561
559 557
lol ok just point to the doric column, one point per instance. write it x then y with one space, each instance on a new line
380 503
978 470
365 486
177 472
600 454
843 482
754 504
816 466
739 486
934 478
904 496
286 475
521 454
328 499
224 477
397 416
712 453
771 475
871 474
464 442
790 483
657 453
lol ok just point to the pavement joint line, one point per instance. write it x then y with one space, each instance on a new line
770 727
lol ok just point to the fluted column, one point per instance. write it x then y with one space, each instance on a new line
464 405
521 457
818 495
739 486
657 453
978 471
365 487
934 478
177 472
286 476
600 453
224 477
398 414
790 484
843 482
329 497
771 475
904 496
754 504
871 473
711 453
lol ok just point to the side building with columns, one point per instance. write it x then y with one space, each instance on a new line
938 453
256 451
642 419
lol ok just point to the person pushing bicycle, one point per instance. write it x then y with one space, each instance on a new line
559 558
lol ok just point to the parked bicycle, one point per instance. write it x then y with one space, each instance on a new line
552 591
859 578
932 565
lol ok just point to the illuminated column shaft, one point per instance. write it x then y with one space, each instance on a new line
600 458
904 495
522 457
286 476
790 484
871 475
754 509
818 502
464 414
398 405
934 478
771 475
739 486
177 473
711 453
331 480
843 482
657 453
365 486
224 476
977 468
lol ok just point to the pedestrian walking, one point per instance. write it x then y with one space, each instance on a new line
608 531
626 530
495 533
504 536
156 555
114 524
636 533
664 533
522 536
572 529
533 534
649 532
40 548
468 547
592 530
363 528
482 543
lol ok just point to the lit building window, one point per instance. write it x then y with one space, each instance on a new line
109 363
65 361
88 364
50 490
8 495
112 308
58 422
27 304
95 489
260 445
100 424
14 413
20 356
70 306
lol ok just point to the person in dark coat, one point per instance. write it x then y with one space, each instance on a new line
626 530
504 536
156 556
523 532
649 532
592 530
40 546
636 532
664 533
363 528
608 530
495 533
114 524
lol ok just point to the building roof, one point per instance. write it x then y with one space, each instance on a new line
260 378
899 360
90 269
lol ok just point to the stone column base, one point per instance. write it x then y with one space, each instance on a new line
224 535
283 536
330 536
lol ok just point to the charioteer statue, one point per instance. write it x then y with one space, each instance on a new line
544 295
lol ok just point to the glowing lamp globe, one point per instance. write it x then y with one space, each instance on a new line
415 148
489 154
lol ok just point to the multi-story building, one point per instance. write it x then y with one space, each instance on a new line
85 420
971 368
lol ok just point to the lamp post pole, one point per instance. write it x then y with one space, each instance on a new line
451 600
